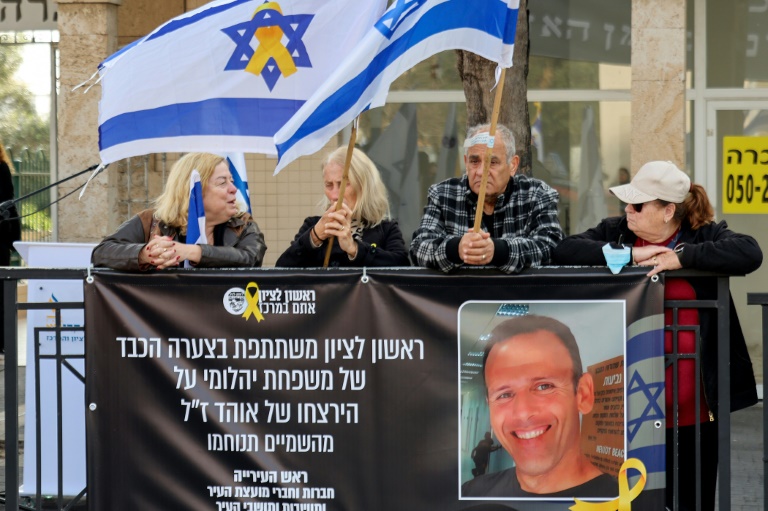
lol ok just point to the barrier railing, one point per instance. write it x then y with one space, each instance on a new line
33 172
12 276
10 280
762 300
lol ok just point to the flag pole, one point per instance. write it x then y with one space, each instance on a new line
343 187
489 151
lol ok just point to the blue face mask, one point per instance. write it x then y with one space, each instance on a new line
616 258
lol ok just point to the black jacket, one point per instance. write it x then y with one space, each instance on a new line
381 245
10 228
712 247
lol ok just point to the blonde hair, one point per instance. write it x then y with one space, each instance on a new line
372 204
4 158
172 205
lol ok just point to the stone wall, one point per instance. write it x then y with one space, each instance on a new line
658 82
88 33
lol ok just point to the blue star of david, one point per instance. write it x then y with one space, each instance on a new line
293 26
652 411
395 16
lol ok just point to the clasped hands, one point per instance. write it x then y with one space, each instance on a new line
476 248
661 258
163 252
338 224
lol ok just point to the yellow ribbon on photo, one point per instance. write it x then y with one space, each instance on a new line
626 495
271 46
252 298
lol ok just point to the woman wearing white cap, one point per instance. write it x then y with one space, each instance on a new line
669 224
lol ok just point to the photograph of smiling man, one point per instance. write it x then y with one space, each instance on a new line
532 391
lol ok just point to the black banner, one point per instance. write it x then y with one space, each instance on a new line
318 390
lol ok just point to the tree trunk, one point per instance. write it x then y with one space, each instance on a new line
478 76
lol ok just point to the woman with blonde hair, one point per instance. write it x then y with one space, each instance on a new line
363 231
156 238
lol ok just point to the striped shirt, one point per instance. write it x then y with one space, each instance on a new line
524 224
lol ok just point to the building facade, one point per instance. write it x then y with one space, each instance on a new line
642 79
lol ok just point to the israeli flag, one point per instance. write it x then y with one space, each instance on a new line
409 32
196 214
236 162
224 77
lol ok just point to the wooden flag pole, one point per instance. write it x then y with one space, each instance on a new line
343 187
489 151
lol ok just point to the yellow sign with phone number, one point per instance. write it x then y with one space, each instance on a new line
745 175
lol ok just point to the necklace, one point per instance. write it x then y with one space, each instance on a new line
669 242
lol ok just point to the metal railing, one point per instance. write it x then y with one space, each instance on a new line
33 172
762 300
12 276
12 426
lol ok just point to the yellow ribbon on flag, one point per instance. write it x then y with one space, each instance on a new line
270 46
626 496
252 298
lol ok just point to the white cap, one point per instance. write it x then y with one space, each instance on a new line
655 180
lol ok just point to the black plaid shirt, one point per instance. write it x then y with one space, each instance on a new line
524 219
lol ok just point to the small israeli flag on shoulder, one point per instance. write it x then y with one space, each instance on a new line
196 214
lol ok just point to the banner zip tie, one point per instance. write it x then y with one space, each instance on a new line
364 279
89 278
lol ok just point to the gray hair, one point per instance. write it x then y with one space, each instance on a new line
372 204
507 138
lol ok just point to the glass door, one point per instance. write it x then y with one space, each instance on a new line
736 179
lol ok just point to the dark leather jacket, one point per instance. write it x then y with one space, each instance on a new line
243 244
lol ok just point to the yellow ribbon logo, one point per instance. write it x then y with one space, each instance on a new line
626 496
270 46
252 297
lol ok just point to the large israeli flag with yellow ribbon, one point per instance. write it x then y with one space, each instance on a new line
409 32
225 77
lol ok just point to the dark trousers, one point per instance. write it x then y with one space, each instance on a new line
687 467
